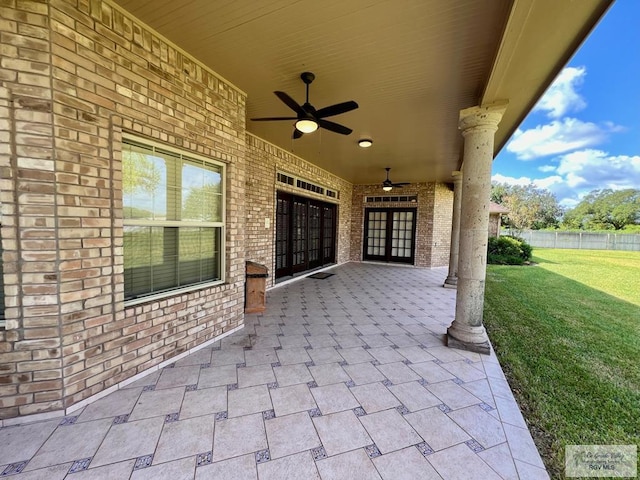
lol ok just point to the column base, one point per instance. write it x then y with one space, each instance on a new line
483 348
473 339
451 282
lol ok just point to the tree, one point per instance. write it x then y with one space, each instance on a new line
140 172
530 207
605 210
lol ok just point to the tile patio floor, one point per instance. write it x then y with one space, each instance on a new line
342 378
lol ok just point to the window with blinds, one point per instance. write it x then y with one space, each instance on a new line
173 207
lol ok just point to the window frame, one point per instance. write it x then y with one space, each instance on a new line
187 155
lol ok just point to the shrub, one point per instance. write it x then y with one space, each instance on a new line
507 250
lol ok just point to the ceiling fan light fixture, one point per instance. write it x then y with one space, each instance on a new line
365 142
306 126
387 188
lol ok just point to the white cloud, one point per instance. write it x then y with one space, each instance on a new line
547 168
557 137
562 97
582 171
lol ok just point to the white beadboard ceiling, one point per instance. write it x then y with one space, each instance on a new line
411 65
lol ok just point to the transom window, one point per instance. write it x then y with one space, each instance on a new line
173 207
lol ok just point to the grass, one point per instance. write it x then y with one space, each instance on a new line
567 333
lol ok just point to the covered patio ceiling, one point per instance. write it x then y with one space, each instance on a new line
411 65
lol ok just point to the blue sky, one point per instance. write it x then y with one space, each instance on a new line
584 133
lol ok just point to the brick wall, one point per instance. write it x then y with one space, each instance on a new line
433 227
75 75
263 161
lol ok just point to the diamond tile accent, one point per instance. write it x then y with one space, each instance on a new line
263 456
149 388
375 363
221 415
424 449
192 388
343 363
278 348
359 411
437 361
268 414
444 408
241 365
350 383
68 420
310 364
485 406
14 468
205 365
469 361
203 459
308 347
171 365
423 382
172 417
458 381
232 386
387 383
372 450
143 462
276 364
402 410
474 445
272 385
312 384
120 419
315 412
407 362
318 453
80 465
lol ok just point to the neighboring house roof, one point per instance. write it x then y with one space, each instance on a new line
496 208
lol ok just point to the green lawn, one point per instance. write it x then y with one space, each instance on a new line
567 332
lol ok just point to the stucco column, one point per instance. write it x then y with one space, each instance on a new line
452 278
478 125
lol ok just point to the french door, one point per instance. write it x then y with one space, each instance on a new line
305 234
389 234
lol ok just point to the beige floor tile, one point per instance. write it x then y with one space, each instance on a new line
150 379
464 371
183 469
374 397
438 430
376 340
355 355
178 376
289 341
453 395
238 468
321 341
293 355
386 355
129 440
325 355
120 402
390 431
349 341
480 389
431 372
238 436
292 399
334 398
522 446
291 434
71 442
414 396
245 401
202 356
354 465
257 375
398 372
341 432
329 373
21 442
460 463
228 356
530 472
509 412
158 403
362 373
405 464
292 374
185 438
499 458
55 472
204 402
260 357
115 470
218 376
294 467
483 427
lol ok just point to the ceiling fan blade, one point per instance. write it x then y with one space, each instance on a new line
336 109
296 134
400 184
291 103
397 185
334 127
271 119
